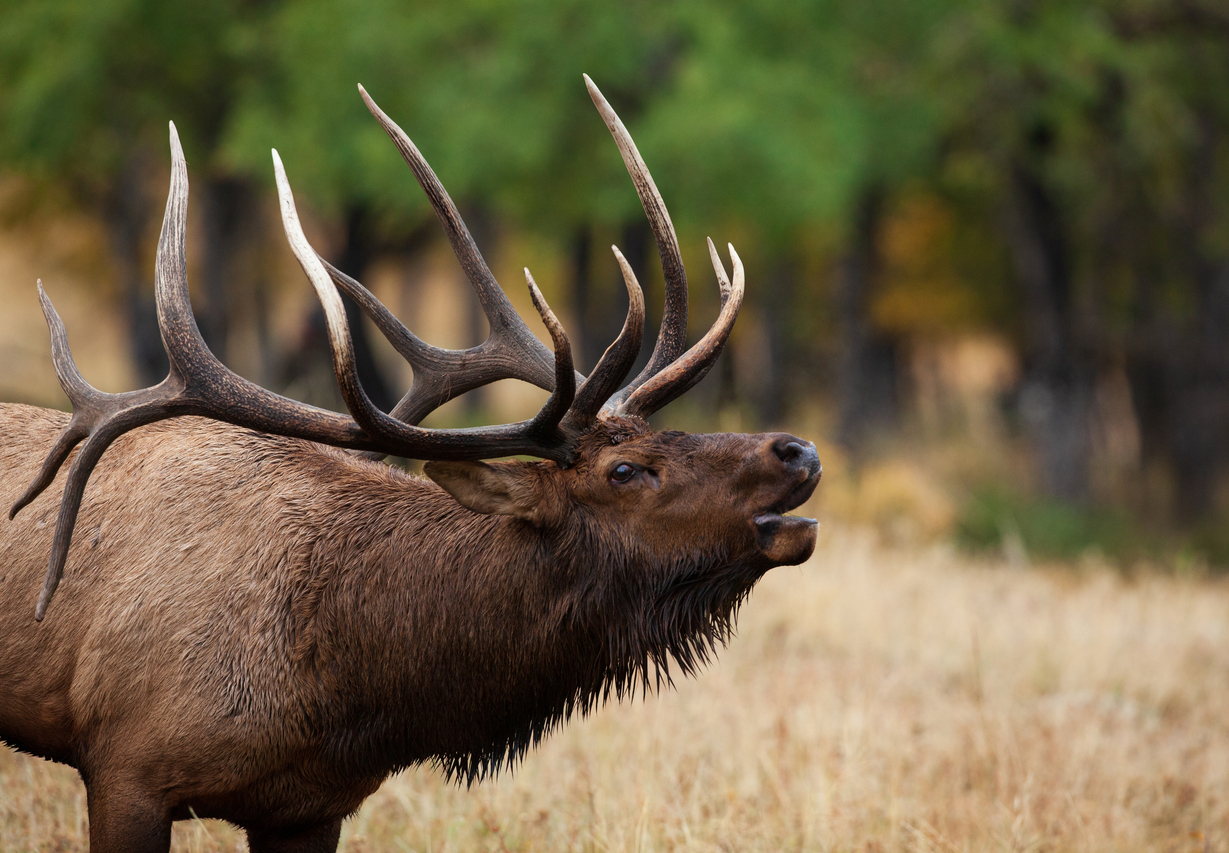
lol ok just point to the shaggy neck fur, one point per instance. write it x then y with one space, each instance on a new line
481 634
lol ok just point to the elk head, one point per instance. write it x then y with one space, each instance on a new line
728 492
668 494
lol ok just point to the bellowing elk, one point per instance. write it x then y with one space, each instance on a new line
259 621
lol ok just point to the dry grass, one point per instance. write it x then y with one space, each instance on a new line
877 699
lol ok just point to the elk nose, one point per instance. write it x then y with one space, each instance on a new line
797 454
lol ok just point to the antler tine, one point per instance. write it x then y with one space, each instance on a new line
90 408
548 418
195 384
342 346
672 338
439 374
508 330
613 366
694 364
393 435
723 281
79 393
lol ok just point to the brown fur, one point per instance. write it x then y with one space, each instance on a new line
262 629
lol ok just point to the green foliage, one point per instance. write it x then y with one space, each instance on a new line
491 93
86 83
780 113
773 115
768 114
996 518
766 120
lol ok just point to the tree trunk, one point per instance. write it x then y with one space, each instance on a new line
1200 415
127 211
868 359
1179 365
772 386
1199 399
634 244
231 216
582 297
1056 395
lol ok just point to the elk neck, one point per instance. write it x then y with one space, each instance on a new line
475 635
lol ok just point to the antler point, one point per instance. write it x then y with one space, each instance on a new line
599 100
372 107
534 292
176 146
283 183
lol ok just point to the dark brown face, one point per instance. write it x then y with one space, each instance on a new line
670 493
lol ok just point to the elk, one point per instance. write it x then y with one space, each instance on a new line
258 620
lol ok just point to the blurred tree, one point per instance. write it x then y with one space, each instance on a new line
1098 128
788 118
1169 114
1017 78
492 95
1090 136
87 88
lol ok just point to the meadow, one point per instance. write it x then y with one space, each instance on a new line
879 698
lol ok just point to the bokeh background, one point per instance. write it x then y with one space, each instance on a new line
987 242
987 246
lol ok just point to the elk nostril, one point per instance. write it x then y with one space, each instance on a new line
788 450
796 454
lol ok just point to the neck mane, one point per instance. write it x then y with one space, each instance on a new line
479 635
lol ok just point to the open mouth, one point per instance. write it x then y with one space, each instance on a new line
781 539
774 516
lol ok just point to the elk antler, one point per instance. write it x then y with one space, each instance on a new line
509 352
668 374
538 437
198 384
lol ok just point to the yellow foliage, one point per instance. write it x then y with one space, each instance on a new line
918 290
897 497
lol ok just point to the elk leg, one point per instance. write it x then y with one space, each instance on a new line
321 838
124 819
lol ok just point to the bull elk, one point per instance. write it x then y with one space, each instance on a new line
259 621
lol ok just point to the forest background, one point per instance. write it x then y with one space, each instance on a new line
987 241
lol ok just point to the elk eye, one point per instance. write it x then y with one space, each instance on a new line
623 472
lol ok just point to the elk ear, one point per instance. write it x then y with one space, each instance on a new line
504 488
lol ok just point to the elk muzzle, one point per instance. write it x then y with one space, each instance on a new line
787 540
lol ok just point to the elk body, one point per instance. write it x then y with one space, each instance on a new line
258 627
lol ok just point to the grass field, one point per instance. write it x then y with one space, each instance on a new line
876 699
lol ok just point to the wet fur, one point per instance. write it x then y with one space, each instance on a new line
263 629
